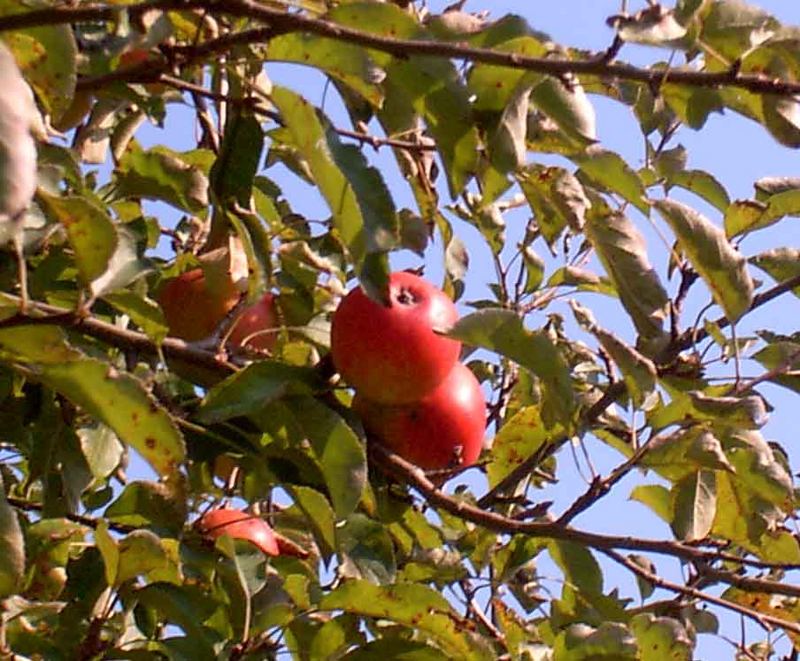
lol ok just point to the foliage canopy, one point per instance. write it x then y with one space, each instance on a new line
492 128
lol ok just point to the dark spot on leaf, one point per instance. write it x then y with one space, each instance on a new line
150 442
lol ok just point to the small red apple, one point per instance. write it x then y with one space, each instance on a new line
191 309
390 353
239 525
443 430
256 327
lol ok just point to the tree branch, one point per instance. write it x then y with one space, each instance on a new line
403 470
762 618
403 48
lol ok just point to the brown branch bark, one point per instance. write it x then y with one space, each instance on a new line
403 48
407 472
763 619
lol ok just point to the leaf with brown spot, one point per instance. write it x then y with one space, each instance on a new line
120 401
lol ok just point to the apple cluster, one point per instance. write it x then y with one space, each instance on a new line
193 311
411 392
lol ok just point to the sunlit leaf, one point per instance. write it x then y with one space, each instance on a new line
47 57
694 504
656 497
90 230
412 605
567 105
519 438
621 249
662 637
502 331
713 257
609 171
120 401
781 263
580 642
162 174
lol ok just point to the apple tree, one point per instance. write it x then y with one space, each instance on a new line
632 326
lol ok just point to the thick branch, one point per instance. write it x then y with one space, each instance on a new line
413 475
403 48
119 337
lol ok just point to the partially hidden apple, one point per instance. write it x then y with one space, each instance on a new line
390 353
444 429
238 524
192 310
257 326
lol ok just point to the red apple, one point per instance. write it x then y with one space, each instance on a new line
256 327
443 430
191 309
239 525
390 353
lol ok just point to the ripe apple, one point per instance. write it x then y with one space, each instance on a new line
390 353
256 327
443 430
239 525
191 309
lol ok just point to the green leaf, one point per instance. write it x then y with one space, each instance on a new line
162 174
661 638
655 26
362 208
694 503
580 642
91 232
502 331
147 504
733 27
656 497
581 569
519 438
556 197
47 56
252 388
568 106
492 85
623 253
778 354
638 371
741 412
335 446
611 172
345 62
781 263
691 104
367 550
782 118
140 553
412 605
143 311
239 158
757 468
12 548
646 588
120 401
704 185
101 448
319 514
395 648
188 607
743 216
507 145
720 265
